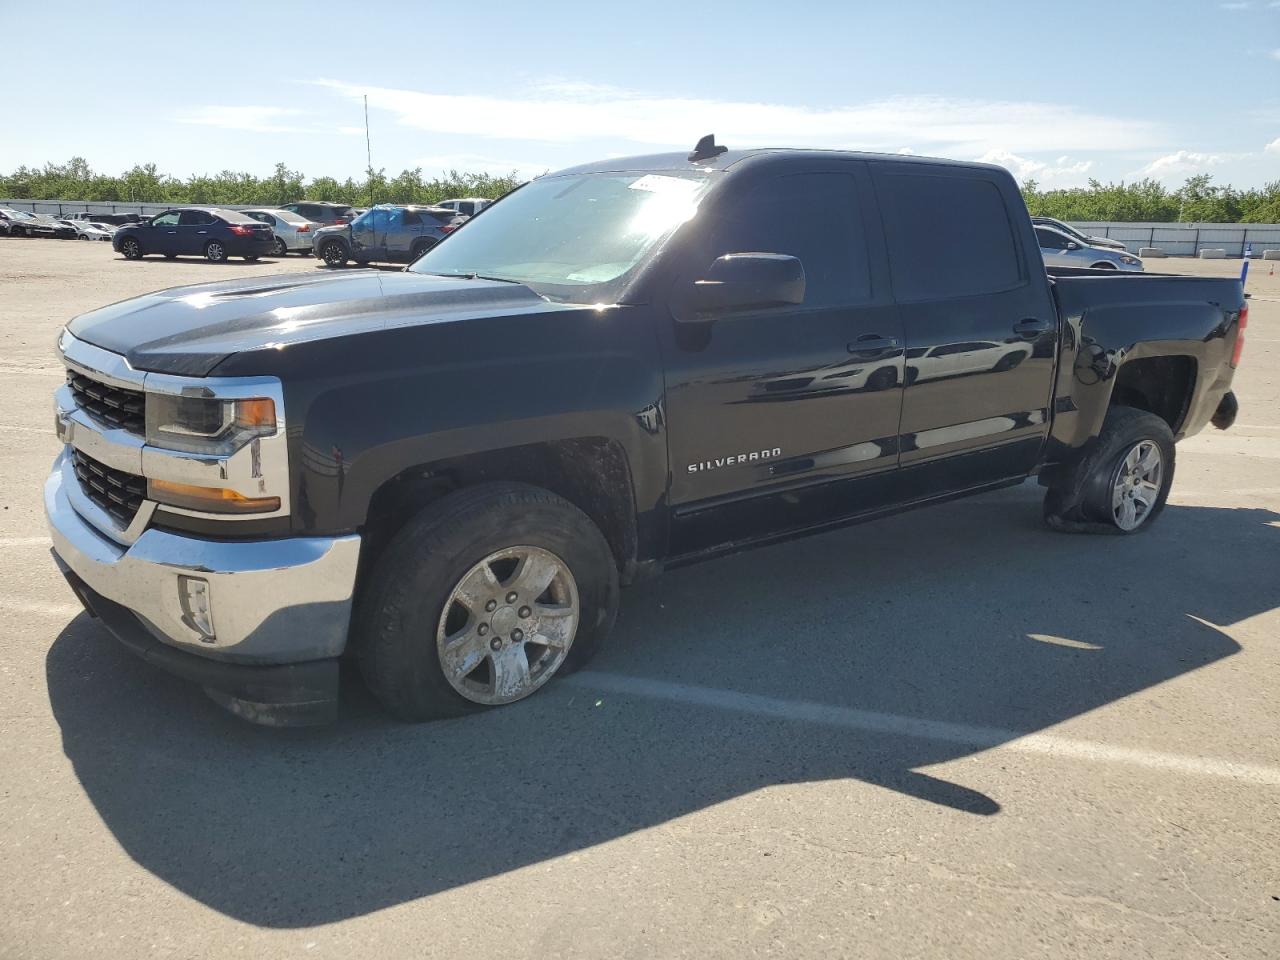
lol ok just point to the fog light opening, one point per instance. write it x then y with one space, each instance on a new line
197 609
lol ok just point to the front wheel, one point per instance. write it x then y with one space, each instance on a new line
1122 484
481 599
1104 265
131 249
334 254
215 252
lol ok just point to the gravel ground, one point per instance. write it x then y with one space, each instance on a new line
949 733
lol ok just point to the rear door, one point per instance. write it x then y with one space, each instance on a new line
773 414
979 323
194 231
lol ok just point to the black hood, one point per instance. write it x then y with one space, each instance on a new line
190 330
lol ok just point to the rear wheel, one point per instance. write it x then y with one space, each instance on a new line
419 248
1122 484
281 249
481 599
131 249
215 252
334 253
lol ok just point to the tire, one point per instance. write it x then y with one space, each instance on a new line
334 253
1090 497
130 249
19 232
1103 265
281 248
408 608
419 248
883 379
1008 361
215 252
250 257
171 256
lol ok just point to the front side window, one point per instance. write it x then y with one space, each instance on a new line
980 258
1050 239
814 217
575 238
167 219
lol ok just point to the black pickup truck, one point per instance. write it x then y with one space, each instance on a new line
448 472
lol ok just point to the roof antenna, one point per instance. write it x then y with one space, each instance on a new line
706 149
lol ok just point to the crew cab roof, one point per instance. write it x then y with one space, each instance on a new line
732 158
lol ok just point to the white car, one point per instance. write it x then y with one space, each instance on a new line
108 228
86 230
467 207
956 359
292 231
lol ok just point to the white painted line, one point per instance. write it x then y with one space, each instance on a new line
42 609
937 730
25 542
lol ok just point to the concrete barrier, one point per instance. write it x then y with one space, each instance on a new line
1150 252
1214 254
1271 254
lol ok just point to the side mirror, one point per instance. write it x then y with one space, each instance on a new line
1072 245
742 281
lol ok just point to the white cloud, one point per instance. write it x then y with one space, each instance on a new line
1184 161
257 119
1275 54
567 112
1274 145
1064 171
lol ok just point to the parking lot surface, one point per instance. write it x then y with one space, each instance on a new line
950 733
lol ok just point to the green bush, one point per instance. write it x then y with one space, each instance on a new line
145 184
1198 200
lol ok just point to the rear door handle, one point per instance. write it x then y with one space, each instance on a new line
1030 329
872 345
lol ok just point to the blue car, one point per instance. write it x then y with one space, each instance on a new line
208 232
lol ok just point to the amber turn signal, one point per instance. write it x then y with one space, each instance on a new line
209 499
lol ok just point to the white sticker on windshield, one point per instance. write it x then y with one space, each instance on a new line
656 183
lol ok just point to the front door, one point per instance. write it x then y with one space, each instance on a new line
367 234
980 326
162 235
771 412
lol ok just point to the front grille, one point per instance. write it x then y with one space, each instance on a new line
117 492
115 406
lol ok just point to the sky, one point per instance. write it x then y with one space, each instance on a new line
1059 92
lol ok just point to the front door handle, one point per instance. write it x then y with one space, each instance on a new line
202 231
873 345
1030 329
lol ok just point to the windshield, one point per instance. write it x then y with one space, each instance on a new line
573 238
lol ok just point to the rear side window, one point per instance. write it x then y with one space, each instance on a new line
195 218
948 236
811 216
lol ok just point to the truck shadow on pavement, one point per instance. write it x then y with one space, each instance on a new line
967 614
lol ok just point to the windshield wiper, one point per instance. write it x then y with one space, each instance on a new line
470 276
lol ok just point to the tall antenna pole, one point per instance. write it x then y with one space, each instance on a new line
368 149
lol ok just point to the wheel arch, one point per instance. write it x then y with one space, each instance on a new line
593 473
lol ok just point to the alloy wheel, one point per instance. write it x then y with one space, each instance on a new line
508 625
1135 486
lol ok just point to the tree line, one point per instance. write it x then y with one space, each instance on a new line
144 183
1198 200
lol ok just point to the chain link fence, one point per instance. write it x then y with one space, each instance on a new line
1188 239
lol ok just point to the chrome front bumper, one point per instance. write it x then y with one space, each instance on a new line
271 601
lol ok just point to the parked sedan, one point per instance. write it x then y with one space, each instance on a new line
210 232
61 228
23 224
386 233
85 230
292 231
1106 243
1060 250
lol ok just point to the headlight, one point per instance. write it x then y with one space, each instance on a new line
201 424
1130 261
